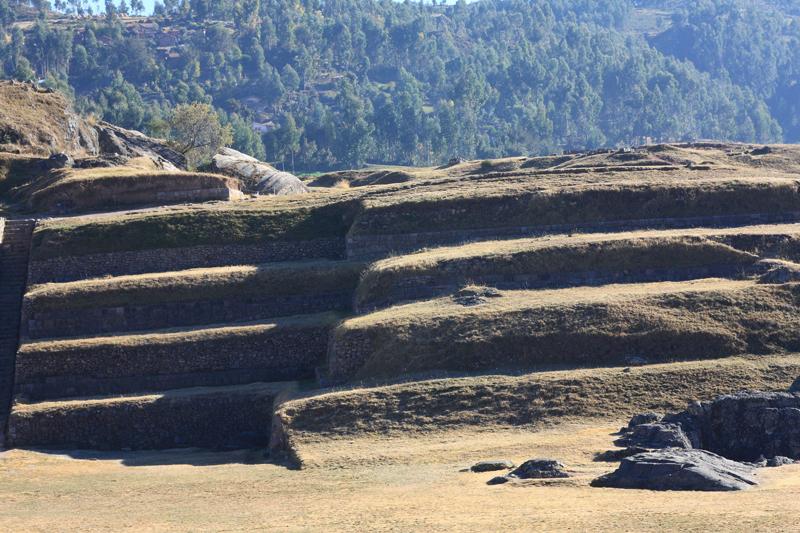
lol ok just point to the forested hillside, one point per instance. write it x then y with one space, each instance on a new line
322 84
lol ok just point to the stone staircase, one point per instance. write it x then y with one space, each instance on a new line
13 279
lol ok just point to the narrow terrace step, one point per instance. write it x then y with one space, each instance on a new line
275 350
586 326
188 298
211 417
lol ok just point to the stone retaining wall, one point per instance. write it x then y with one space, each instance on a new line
376 246
235 417
659 327
284 351
40 324
73 268
426 287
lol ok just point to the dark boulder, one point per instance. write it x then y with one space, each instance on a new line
644 418
679 469
748 425
764 150
492 466
655 436
475 295
60 160
779 460
539 469
498 480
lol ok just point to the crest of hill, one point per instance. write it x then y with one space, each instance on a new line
41 122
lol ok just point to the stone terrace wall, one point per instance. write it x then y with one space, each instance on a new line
39 324
223 419
258 353
376 246
426 287
72 268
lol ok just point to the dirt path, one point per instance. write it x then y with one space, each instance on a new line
408 484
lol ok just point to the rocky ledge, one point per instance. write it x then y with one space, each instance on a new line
711 445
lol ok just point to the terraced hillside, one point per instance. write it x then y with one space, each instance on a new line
507 292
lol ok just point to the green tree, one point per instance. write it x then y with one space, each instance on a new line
197 133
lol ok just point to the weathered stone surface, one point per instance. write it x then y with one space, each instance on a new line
469 296
655 436
39 121
644 418
748 425
257 176
492 466
539 469
779 460
116 141
498 480
60 160
779 271
679 469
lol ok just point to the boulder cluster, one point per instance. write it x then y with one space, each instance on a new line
714 445
531 469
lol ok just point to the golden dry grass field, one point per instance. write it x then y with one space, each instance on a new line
406 483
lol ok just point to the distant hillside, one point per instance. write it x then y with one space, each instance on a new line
339 83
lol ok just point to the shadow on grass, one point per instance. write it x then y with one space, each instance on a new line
177 456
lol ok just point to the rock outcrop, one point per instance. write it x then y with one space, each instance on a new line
655 436
747 426
533 469
711 445
37 121
115 141
779 271
679 469
540 469
492 466
256 175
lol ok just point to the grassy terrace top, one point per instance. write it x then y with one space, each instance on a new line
106 186
538 398
554 255
659 182
511 301
448 258
173 336
518 202
278 279
522 330
315 215
269 389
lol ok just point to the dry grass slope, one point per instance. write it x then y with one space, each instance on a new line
547 257
39 122
246 281
573 327
284 342
524 400
137 183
